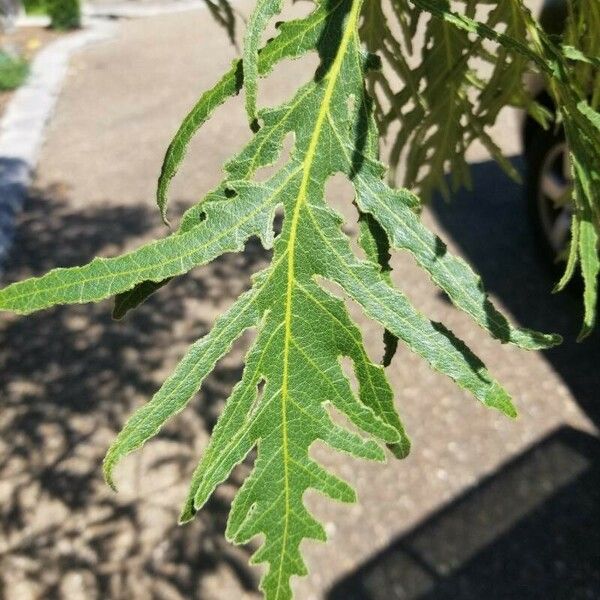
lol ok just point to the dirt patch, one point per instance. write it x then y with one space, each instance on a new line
25 42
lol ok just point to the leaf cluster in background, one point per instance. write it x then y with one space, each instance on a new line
443 94
577 95
442 88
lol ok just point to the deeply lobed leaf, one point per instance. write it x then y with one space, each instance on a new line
293 377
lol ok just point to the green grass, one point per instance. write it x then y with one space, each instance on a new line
13 71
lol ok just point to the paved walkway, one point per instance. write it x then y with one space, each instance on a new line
69 377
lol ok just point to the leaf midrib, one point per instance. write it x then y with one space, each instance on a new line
307 165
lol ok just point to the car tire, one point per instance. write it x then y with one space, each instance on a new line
548 188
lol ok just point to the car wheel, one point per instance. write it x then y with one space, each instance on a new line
549 188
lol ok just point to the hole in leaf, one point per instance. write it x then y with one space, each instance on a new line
282 83
260 391
255 126
268 170
339 195
348 368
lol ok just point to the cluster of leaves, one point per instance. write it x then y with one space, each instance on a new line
64 14
577 94
466 72
293 377
451 87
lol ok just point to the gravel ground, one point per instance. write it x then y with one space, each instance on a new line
483 506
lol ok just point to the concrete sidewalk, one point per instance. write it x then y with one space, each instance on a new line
69 377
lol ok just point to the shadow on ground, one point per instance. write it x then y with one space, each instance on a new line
14 176
532 529
69 377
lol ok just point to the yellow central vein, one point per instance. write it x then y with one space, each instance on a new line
307 164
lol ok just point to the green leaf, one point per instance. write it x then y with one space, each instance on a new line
450 273
584 142
573 53
295 38
262 13
157 261
453 88
294 376
592 116
227 86
572 257
185 381
441 9
590 268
